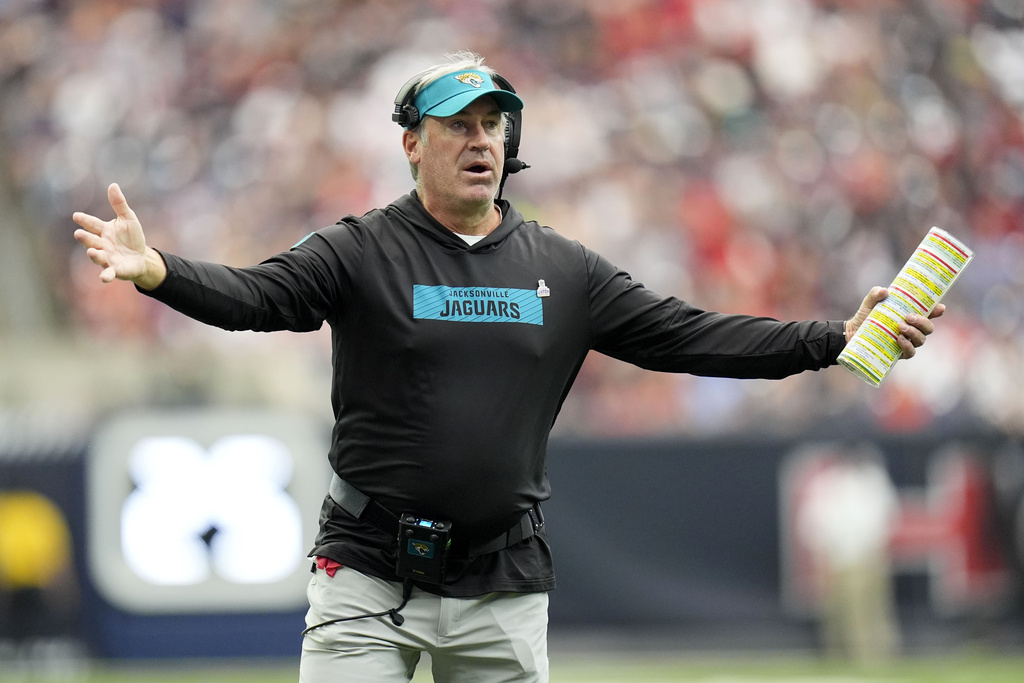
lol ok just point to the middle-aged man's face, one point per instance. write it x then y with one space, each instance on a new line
461 158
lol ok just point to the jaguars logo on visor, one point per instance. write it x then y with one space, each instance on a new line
470 79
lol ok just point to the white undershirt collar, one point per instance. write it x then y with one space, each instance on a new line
473 239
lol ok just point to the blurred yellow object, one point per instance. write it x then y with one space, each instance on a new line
35 545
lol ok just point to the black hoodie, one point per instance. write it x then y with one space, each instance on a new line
451 363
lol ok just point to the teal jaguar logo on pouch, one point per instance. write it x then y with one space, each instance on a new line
421 548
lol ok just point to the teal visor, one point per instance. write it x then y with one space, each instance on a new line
453 92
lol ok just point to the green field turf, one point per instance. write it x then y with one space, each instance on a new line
618 669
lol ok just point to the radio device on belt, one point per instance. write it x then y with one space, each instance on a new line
423 544
422 548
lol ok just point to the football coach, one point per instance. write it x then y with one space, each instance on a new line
458 328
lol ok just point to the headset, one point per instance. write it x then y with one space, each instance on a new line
408 116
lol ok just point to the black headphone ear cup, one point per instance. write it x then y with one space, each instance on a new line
410 116
513 124
406 114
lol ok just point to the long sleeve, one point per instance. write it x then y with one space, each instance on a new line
636 325
296 290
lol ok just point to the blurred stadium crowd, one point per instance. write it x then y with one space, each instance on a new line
774 157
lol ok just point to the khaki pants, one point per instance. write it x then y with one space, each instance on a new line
495 637
859 620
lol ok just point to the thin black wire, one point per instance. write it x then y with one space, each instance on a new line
396 618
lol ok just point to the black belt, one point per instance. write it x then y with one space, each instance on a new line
362 507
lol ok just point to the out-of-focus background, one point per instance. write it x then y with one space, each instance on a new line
775 157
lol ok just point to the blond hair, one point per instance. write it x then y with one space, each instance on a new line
463 60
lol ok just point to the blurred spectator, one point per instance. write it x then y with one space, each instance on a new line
846 523
764 156
38 590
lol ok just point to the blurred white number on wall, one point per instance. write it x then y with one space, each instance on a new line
224 509
204 511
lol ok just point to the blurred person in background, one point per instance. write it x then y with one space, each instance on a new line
458 328
846 522
38 589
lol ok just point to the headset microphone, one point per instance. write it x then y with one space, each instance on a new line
514 166
513 129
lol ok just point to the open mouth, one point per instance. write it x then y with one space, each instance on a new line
478 169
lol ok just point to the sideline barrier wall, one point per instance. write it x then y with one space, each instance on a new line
692 537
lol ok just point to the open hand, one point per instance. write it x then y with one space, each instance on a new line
117 246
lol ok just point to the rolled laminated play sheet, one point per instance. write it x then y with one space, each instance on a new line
932 269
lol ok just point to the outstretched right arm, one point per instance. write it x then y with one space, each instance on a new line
118 246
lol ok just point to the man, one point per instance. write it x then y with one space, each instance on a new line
846 521
458 328
38 600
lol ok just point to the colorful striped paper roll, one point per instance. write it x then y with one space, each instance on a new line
927 276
